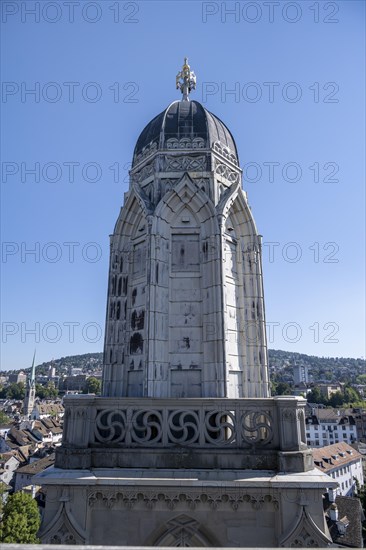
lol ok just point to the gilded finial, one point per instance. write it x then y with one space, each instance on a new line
186 80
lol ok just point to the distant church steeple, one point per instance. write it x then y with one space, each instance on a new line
30 394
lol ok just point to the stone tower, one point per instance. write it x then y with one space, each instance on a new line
30 393
185 313
185 447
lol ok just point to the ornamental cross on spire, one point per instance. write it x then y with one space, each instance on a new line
186 80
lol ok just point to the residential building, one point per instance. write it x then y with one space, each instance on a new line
344 519
23 438
24 475
73 383
33 435
5 429
46 409
8 465
326 426
51 371
360 418
329 389
17 377
343 463
300 373
48 430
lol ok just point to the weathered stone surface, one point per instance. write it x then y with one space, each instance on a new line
210 507
186 285
188 433
185 448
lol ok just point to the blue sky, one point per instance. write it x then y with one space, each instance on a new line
296 70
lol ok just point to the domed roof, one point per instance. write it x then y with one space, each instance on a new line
184 124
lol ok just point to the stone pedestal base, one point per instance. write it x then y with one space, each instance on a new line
147 507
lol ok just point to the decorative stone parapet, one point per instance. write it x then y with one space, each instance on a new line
262 434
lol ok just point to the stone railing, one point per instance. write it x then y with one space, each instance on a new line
153 432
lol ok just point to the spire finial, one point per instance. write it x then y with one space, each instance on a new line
33 371
186 80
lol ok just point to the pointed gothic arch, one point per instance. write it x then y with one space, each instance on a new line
304 533
136 208
235 205
182 531
63 528
185 194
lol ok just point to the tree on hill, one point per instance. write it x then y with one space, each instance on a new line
20 521
336 399
46 392
92 385
281 388
351 395
315 396
14 391
4 419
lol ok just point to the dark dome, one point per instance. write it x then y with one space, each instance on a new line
185 119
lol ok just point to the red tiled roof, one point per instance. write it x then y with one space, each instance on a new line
331 457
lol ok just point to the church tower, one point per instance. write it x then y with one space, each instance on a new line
185 312
30 393
185 447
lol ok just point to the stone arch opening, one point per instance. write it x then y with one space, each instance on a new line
182 531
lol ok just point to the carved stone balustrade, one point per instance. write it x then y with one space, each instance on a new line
261 434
